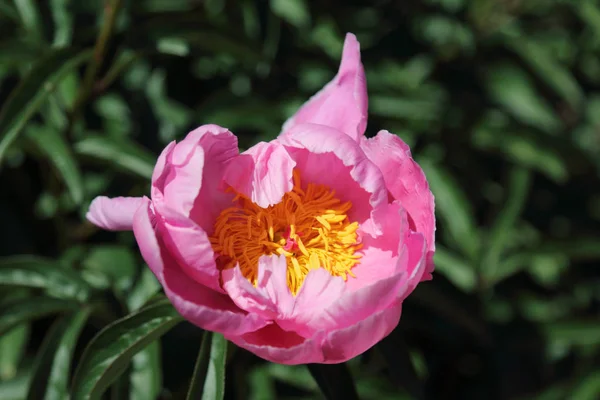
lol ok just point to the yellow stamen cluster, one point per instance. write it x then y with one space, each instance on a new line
309 226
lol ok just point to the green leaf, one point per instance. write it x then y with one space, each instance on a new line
146 374
577 248
27 98
573 332
17 312
145 287
294 375
511 87
7 10
588 388
53 363
208 381
63 22
30 17
17 53
55 148
518 185
12 347
16 388
548 68
395 351
37 272
454 209
184 26
295 12
108 355
334 380
116 263
456 269
262 386
522 146
122 153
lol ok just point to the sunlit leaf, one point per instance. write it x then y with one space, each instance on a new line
144 288
146 373
52 370
116 263
53 146
37 272
208 381
108 355
27 98
295 12
63 21
123 154
12 347
17 312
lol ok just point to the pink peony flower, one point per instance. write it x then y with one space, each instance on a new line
300 250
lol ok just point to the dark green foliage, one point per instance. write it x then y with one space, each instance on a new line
499 100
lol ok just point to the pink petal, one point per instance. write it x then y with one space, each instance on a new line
114 214
319 290
326 156
188 175
272 280
277 345
186 193
196 303
372 290
263 173
416 263
271 297
344 344
407 183
190 245
246 296
380 251
342 104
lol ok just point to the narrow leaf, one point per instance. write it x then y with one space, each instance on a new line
109 353
53 364
547 67
14 313
146 374
146 286
334 380
518 185
63 22
454 208
124 154
208 381
511 87
456 269
30 94
114 262
51 144
30 17
37 272
12 347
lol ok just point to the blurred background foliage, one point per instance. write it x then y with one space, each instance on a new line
499 100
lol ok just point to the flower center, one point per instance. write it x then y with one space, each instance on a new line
310 227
